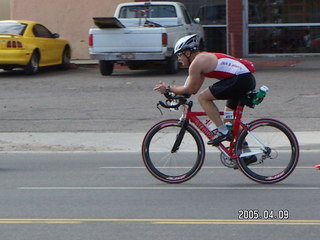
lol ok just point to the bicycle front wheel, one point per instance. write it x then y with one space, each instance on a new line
269 150
173 153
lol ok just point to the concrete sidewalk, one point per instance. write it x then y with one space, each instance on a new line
101 142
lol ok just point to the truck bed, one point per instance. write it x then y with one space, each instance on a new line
127 40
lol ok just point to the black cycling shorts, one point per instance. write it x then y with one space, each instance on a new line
233 88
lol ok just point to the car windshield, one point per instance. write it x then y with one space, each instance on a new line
12 28
151 11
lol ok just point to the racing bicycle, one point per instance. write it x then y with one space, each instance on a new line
173 150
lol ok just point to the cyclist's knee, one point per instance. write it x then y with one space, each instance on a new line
206 96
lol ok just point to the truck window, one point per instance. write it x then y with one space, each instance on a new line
186 15
153 11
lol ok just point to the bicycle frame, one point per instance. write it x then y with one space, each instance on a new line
228 151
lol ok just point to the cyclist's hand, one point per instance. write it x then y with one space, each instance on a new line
161 87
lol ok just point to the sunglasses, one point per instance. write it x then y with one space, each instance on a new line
180 54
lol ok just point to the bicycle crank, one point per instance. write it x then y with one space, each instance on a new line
226 161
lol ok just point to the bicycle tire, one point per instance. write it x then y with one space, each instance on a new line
168 166
281 157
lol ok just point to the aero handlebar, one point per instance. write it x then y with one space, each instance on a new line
173 101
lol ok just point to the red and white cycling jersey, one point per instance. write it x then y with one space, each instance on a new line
229 66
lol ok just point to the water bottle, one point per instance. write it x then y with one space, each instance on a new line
260 95
210 125
229 126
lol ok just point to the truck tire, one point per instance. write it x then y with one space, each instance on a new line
172 66
106 67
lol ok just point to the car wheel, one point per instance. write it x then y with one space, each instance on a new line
106 68
66 57
33 65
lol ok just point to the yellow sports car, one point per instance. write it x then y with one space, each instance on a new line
30 45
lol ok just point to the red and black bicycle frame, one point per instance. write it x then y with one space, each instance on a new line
237 126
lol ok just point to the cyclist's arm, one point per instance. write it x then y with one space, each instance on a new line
193 82
203 63
191 86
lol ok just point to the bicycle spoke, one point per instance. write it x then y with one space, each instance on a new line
180 165
272 149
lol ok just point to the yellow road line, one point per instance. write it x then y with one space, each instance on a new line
156 221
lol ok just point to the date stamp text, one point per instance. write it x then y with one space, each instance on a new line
255 214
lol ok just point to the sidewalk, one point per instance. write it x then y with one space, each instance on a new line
101 142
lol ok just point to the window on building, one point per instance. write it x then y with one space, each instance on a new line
283 26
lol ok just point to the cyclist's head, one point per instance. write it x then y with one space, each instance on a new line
189 42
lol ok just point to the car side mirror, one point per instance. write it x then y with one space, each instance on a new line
196 20
55 35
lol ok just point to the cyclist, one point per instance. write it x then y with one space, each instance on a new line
234 75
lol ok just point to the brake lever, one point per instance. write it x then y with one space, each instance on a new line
159 107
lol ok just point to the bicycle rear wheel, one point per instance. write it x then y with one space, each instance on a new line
166 163
275 148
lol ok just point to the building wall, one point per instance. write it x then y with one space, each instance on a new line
70 18
4 9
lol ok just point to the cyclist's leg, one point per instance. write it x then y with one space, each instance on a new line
206 100
230 88
231 105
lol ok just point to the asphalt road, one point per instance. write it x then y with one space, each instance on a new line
112 196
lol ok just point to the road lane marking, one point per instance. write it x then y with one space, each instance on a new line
264 188
157 221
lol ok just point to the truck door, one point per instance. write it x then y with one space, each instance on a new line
190 28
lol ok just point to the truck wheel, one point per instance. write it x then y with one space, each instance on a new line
172 66
106 68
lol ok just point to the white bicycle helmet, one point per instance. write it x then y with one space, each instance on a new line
189 42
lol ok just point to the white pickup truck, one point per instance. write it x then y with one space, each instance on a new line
141 34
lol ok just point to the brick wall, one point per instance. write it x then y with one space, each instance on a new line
235 27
